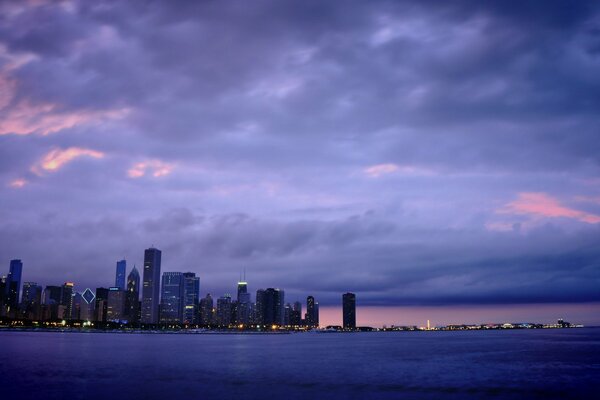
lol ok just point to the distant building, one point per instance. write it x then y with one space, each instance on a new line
191 298
224 310
312 312
243 304
296 314
132 297
101 299
151 286
270 307
206 310
67 299
349 310
171 303
31 300
13 286
120 274
115 304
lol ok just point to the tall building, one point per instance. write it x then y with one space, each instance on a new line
13 286
206 310
120 274
270 308
132 297
312 312
296 314
52 301
224 310
349 310
151 285
243 304
101 304
171 303
67 298
191 298
115 304
83 306
31 300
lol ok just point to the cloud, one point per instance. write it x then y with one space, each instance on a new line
543 205
57 158
18 183
156 168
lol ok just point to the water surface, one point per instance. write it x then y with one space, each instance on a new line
393 365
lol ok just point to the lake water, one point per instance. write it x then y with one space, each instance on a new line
394 365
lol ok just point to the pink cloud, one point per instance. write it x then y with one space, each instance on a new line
18 183
156 168
44 119
543 205
56 158
375 171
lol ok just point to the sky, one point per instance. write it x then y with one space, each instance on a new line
424 155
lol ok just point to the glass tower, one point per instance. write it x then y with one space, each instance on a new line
120 274
151 286
349 310
171 303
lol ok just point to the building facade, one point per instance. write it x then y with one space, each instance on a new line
151 286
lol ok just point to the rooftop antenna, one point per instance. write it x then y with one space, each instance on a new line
244 274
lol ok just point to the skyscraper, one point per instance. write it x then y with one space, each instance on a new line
191 298
243 304
206 310
296 314
13 285
312 312
31 300
132 296
101 304
67 299
349 310
150 290
120 274
270 307
224 310
171 300
115 304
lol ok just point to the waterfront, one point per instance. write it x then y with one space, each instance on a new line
449 365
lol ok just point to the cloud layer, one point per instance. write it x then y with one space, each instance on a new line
414 153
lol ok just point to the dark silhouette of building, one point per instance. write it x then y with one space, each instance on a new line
171 303
101 304
151 285
31 300
132 297
120 274
296 314
67 299
270 308
243 304
224 310
312 312
206 310
349 310
191 298
115 304
13 287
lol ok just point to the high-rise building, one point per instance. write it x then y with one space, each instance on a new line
120 274
132 297
349 310
296 314
171 300
151 285
31 300
67 298
115 304
191 298
312 312
206 310
101 304
243 304
270 308
13 286
83 306
224 310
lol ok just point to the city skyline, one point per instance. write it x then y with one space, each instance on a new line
421 155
